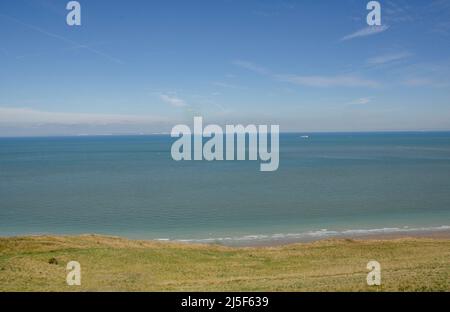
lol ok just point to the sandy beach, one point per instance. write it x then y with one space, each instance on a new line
286 239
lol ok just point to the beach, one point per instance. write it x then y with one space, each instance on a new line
38 263
442 232
435 234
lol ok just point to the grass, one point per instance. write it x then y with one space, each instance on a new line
116 264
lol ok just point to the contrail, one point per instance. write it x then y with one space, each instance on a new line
56 36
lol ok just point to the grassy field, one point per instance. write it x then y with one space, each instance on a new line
116 264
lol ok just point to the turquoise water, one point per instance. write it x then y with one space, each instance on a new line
130 186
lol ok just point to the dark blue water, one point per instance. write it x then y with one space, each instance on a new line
130 186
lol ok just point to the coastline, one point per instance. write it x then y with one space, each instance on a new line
274 240
442 232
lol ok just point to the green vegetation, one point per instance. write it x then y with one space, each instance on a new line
116 264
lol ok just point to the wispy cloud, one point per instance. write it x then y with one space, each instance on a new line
328 81
311 81
251 66
172 100
397 12
24 116
425 82
415 82
70 48
387 58
367 31
227 85
361 101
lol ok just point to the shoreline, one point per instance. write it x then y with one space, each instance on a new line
275 240
436 234
441 232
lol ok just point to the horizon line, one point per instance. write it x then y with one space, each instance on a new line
168 133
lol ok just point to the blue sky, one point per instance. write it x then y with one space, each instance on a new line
144 66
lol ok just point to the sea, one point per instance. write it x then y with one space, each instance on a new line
327 185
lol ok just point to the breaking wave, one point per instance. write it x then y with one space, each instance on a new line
309 235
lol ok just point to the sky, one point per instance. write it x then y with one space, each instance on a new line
144 66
